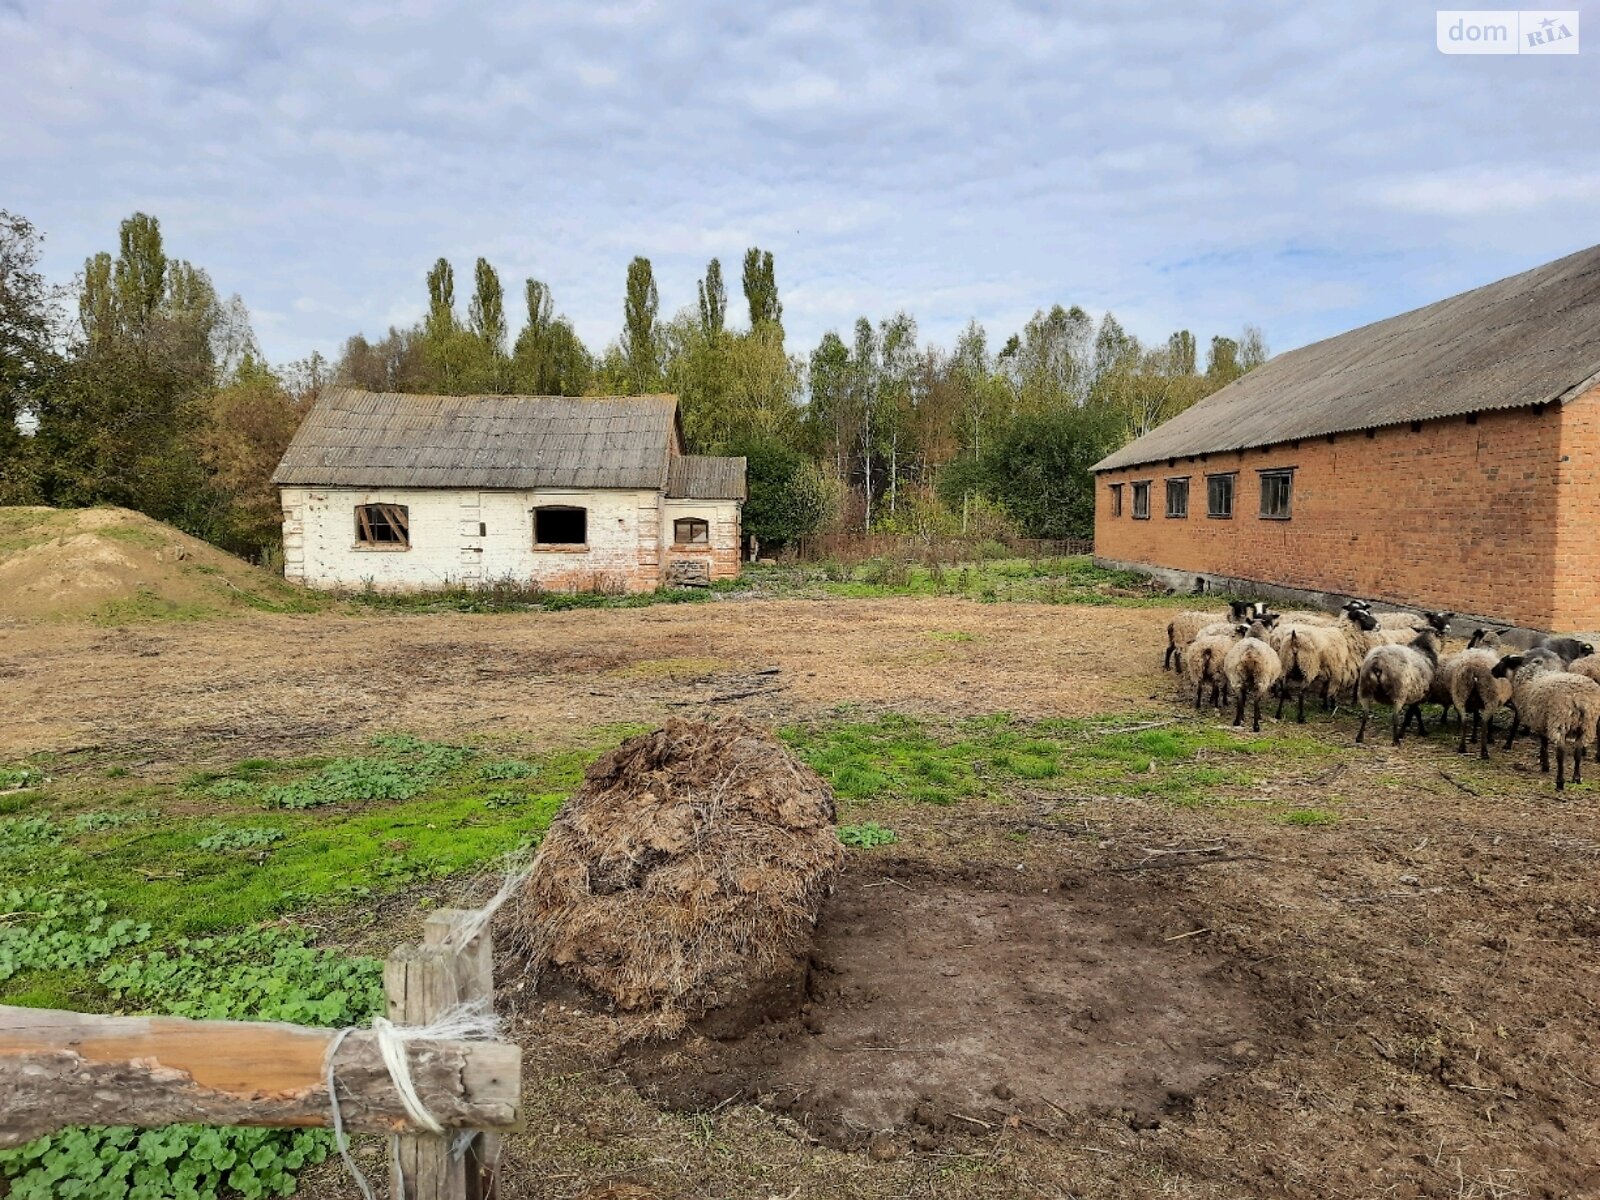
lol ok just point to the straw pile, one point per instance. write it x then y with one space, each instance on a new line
686 874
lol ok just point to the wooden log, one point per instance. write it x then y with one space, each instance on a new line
61 1068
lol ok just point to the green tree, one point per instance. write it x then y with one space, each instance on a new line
120 426
713 300
1222 368
29 362
486 315
788 498
549 358
761 289
244 432
641 344
1038 470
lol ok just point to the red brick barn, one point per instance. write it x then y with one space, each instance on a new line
1444 458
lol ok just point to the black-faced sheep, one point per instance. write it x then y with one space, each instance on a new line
1186 626
1559 707
1251 667
1520 669
1400 677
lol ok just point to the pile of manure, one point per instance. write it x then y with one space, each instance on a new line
686 874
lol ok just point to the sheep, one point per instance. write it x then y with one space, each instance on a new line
1303 653
1251 667
1438 621
1443 679
1309 617
1400 677
1520 670
1202 662
1559 707
1569 649
1186 626
1475 689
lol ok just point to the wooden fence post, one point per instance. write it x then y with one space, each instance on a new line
421 982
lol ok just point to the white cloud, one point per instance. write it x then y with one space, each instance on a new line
1509 189
1305 169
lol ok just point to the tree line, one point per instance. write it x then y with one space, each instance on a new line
155 395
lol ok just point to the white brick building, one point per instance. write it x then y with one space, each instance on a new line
409 493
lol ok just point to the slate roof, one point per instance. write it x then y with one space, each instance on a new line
703 477
1533 338
354 438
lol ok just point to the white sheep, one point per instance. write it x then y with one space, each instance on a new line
1520 670
1251 667
1475 689
1560 708
1305 654
1202 663
1186 626
1398 676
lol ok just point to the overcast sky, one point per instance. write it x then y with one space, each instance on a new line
1303 167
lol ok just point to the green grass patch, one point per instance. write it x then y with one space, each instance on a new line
1309 816
900 758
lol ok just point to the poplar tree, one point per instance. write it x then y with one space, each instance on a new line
761 290
713 300
641 345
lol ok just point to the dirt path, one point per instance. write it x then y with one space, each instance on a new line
280 684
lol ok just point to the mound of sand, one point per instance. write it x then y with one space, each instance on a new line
113 563
686 874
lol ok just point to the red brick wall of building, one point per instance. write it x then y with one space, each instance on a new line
1499 517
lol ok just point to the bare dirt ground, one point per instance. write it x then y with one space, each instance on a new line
1399 1003
281 684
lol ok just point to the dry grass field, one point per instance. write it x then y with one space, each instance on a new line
1113 950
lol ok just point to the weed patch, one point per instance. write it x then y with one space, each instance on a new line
867 835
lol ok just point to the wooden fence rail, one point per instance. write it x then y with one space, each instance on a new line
62 1068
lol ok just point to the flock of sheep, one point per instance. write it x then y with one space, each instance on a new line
1550 684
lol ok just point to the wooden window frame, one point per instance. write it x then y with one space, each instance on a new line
691 543
396 517
1232 478
1173 488
1141 487
1116 499
560 547
1269 475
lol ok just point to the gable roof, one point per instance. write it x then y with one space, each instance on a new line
354 438
703 477
1533 338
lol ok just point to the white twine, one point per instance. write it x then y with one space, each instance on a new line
472 1021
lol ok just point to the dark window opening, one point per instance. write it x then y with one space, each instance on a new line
383 525
1141 501
1219 495
1275 492
1177 498
1116 499
560 525
691 531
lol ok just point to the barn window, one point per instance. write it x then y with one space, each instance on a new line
383 525
1276 487
1141 500
1116 499
560 525
1177 498
691 531
1219 495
